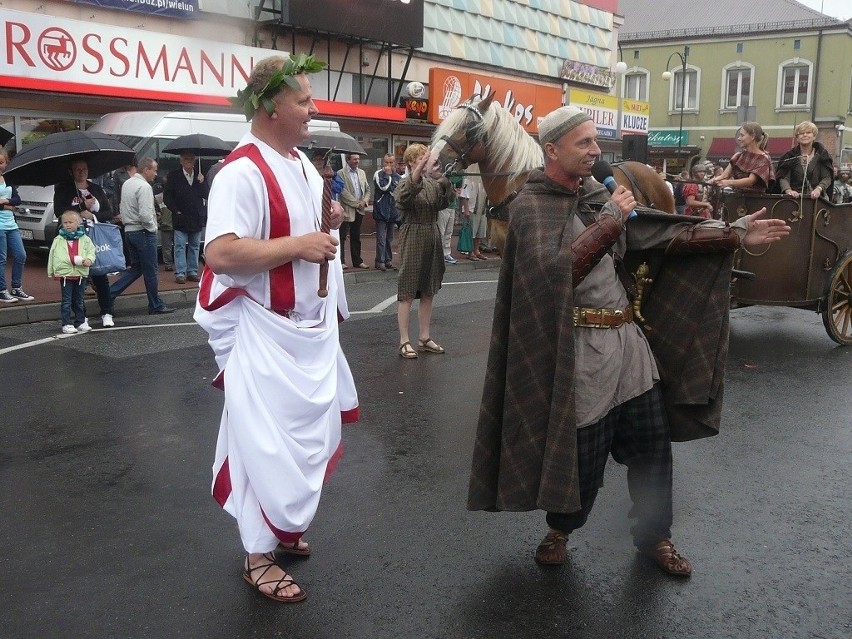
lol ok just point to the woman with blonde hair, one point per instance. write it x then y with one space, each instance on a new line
751 168
808 168
420 195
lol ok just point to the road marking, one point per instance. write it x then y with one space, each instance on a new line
53 338
381 306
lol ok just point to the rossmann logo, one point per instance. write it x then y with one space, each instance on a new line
152 61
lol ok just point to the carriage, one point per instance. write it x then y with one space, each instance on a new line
811 269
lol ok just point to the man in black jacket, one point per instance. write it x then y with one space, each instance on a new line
185 195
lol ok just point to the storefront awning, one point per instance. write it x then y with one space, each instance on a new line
721 149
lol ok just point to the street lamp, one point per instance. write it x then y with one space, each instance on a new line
667 75
619 69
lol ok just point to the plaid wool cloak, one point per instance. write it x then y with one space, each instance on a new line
525 455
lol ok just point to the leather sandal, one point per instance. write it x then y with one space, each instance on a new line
406 351
280 584
428 345
551 551
667 558
295 548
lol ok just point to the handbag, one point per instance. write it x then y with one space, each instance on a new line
109 249
465 244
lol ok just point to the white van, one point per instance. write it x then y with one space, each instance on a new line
146 132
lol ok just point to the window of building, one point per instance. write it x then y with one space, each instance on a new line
738 85
636 85
684 85
794 84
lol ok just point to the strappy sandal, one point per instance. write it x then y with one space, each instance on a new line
551 551
407 351
428 345
295 549
280 584
669 559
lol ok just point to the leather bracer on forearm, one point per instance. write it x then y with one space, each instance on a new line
701 239
591 245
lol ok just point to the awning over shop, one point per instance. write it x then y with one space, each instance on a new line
721 149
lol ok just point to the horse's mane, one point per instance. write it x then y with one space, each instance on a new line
510 148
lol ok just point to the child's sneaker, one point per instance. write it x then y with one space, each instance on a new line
84 327
5 297
21 295
68 329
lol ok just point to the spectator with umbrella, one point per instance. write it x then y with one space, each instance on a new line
66 159
80 194
185 195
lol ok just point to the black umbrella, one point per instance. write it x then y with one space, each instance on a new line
5 136
200 145
48 161
336 140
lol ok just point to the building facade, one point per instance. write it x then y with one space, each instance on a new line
729 64
66 63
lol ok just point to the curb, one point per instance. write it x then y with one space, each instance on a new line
22 313
28 313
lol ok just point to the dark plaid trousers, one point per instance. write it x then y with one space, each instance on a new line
636 433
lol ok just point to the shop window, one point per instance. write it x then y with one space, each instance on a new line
34 129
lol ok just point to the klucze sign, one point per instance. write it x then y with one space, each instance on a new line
47 53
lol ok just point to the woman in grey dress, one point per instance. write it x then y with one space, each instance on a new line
420 195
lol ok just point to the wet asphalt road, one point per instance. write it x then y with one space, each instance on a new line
107 441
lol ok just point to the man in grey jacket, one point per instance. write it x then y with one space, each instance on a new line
140 228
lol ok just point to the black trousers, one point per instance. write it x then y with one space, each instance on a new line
353 230
636 433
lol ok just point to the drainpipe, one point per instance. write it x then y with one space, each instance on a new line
816 76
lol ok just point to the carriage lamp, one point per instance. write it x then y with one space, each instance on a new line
667 75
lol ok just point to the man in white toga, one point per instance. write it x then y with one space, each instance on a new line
288 387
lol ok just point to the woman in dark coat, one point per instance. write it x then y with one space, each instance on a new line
807 169
87 198
420 195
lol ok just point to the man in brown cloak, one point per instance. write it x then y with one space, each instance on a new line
571 377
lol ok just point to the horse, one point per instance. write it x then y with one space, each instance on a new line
480 131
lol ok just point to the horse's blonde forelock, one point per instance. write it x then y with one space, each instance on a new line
510 148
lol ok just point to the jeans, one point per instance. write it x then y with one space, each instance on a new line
167 238
101 286
143 247
384 237
11 241
186 252
72 300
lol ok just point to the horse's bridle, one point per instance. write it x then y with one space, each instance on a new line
472 142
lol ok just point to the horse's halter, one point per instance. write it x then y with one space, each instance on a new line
471 140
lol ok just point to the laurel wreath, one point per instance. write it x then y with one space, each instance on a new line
250 101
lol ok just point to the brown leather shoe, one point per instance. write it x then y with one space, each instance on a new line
667 558
551 551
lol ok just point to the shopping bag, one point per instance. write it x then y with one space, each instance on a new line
465 244
109 249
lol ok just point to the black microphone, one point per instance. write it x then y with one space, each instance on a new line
602 172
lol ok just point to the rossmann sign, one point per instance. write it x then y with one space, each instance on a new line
47 53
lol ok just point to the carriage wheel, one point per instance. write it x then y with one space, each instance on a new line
837 301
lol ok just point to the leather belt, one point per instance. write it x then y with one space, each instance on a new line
602 317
